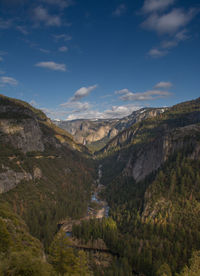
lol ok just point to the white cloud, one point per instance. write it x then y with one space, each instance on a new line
120 10
126 95
8 81
168 44
157 53
5 24
156 5
163 85
51 65
1 59
41 15
22 29
179 37
85 111
82 92
120 111
60 3
63 49
64 37
169 23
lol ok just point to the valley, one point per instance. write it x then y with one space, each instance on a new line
132 205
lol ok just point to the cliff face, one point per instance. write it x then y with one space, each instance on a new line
148 143
150 157
90 131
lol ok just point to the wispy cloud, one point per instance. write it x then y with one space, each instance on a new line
63 49
51 65
167 22
44 51
64 37
22 29
82 92
60 3
41 15
163 85
8 81
167 44
120 10
156 5
1 59
179 37
157 53
126 95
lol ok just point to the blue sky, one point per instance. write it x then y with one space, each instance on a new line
99 58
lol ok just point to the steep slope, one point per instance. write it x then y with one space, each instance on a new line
96 133
146 145
153 190
45 174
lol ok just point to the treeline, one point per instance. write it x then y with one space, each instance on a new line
159 217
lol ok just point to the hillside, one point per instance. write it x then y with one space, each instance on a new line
46 175
152 177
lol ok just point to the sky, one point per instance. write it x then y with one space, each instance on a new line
98 58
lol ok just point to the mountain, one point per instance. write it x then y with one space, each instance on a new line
147 144
45 175
152 178
96 133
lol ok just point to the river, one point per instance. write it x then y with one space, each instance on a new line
102 209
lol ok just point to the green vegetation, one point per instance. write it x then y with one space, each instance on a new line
154 225
65 259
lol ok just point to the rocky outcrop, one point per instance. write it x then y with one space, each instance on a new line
9 179
37 173
25 135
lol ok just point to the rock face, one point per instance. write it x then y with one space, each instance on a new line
90 131
150 157
146 145
9 179
25 135
26 130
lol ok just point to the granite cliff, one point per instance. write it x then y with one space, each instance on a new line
96 133
146 145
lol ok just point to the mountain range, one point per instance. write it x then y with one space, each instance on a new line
96 133
150 179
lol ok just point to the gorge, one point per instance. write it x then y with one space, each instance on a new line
134 202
